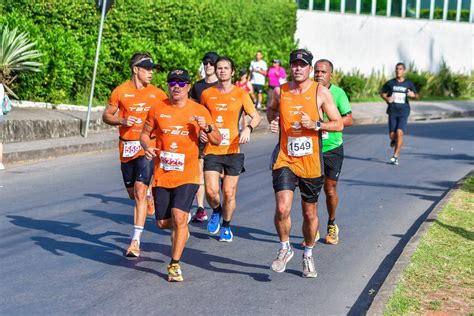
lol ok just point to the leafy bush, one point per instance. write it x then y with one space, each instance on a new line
353 84
176 32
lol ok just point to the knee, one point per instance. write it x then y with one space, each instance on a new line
180 220
162 223
140 192
330 190
229 194
399 133
309 216
282 211
212 192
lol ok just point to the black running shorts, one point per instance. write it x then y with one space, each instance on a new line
285 179
181 197
231 164
396 121
139 169
333 162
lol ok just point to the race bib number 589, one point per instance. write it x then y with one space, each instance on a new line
300 146
131 148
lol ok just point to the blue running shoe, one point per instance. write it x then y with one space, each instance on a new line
214 223
226 234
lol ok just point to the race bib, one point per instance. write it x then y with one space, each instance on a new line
171 161
399 97
225 133
300 146
324 135
131 148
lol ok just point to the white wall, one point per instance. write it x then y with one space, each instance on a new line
377 43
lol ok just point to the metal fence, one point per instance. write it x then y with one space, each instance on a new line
446 10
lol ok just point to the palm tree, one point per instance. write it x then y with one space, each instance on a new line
16 55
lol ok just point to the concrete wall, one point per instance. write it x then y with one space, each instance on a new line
377 43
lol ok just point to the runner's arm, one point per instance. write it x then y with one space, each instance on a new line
328 106
245 134
109 117
347 119
150 152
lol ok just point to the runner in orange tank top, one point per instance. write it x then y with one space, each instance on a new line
297 113
133 100
226 103
178 123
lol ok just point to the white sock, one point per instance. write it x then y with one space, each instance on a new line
308 251
137 233
285 244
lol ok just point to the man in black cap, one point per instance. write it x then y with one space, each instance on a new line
297 111
177 123
133 100
210 80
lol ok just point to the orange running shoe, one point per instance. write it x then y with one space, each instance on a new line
332 237
174 273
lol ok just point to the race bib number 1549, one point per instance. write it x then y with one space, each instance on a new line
300 146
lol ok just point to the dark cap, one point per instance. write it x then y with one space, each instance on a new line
212 56
276 60
242 72
303 55
180 74
146 62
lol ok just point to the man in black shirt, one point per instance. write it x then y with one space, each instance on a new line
209 62
396 93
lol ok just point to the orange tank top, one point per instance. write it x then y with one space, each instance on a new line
300 148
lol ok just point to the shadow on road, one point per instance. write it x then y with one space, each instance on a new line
106 199
95 249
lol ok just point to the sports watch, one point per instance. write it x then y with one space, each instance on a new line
317 126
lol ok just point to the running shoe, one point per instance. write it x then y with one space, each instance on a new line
174 273
332 237
226 234
133 250
2 167
303 244
282 258
309 269
394 161
200 215
393 142
214 223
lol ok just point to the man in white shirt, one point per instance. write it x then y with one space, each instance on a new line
258 70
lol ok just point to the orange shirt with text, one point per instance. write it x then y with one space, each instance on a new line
226 109
300 148
133 102
177 138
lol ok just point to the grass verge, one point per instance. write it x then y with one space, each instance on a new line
438 279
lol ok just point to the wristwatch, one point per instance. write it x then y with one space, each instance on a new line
318 126
209 129
250 127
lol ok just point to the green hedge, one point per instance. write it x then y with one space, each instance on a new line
176 32
445 83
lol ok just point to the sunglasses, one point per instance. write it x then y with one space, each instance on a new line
205 63
181 84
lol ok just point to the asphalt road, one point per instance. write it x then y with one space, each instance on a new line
64 225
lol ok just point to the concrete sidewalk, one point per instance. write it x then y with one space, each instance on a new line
41 133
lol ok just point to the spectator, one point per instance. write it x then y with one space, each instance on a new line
258 70
276 77
245 84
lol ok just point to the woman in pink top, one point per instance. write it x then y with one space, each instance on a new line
276 77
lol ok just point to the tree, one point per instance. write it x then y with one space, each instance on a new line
16 55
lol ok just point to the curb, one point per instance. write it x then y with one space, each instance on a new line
386 290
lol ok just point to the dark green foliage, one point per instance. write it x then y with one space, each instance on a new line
419 80
353 84
176 32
